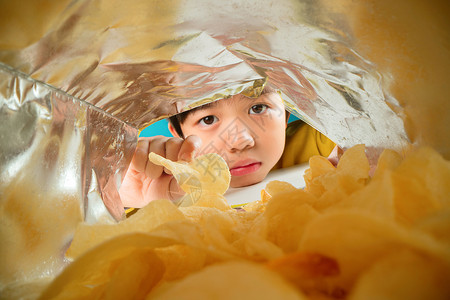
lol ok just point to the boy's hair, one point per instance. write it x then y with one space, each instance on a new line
178 119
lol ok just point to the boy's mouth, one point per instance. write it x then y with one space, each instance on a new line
244 168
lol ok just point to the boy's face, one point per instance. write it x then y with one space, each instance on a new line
248 133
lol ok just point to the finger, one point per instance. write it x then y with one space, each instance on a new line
157 146
172 148
190 148
140 158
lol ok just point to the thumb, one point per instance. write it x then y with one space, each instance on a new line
190 148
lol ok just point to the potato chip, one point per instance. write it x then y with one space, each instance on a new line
368 199
181 260
388 160
331 185
204 176
318 166
107 268
437 225
276 187
25 289
280 214
226 231
182 232
421 186
346 235
219 231
354 161
230 234
272 188
258 248
147 218
265 196
406 195
258 205
411 199
231 280
135 276
404 275
308 272
357 239
213 201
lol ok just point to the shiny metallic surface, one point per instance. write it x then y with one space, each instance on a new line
138 68
61 161
79 79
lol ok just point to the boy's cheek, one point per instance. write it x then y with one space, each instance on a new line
212 146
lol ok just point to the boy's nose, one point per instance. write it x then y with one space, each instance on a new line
240 139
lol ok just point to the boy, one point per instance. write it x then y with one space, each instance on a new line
249 133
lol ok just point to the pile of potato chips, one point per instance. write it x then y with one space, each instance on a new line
347 235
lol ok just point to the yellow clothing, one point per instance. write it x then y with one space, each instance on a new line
302 142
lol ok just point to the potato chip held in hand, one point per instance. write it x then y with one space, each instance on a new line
204 176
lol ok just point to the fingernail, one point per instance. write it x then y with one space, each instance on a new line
187 156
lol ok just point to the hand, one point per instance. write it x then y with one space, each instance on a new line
335 155
145 181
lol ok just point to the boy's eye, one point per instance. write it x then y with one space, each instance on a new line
258 109
208 120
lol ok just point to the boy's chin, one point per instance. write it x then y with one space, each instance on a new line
237 182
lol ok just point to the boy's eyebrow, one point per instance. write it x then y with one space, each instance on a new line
204 106
215 103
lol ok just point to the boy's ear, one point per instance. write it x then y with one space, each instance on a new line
172 130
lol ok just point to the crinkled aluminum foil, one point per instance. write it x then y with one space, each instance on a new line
61 162
72 103
136 63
